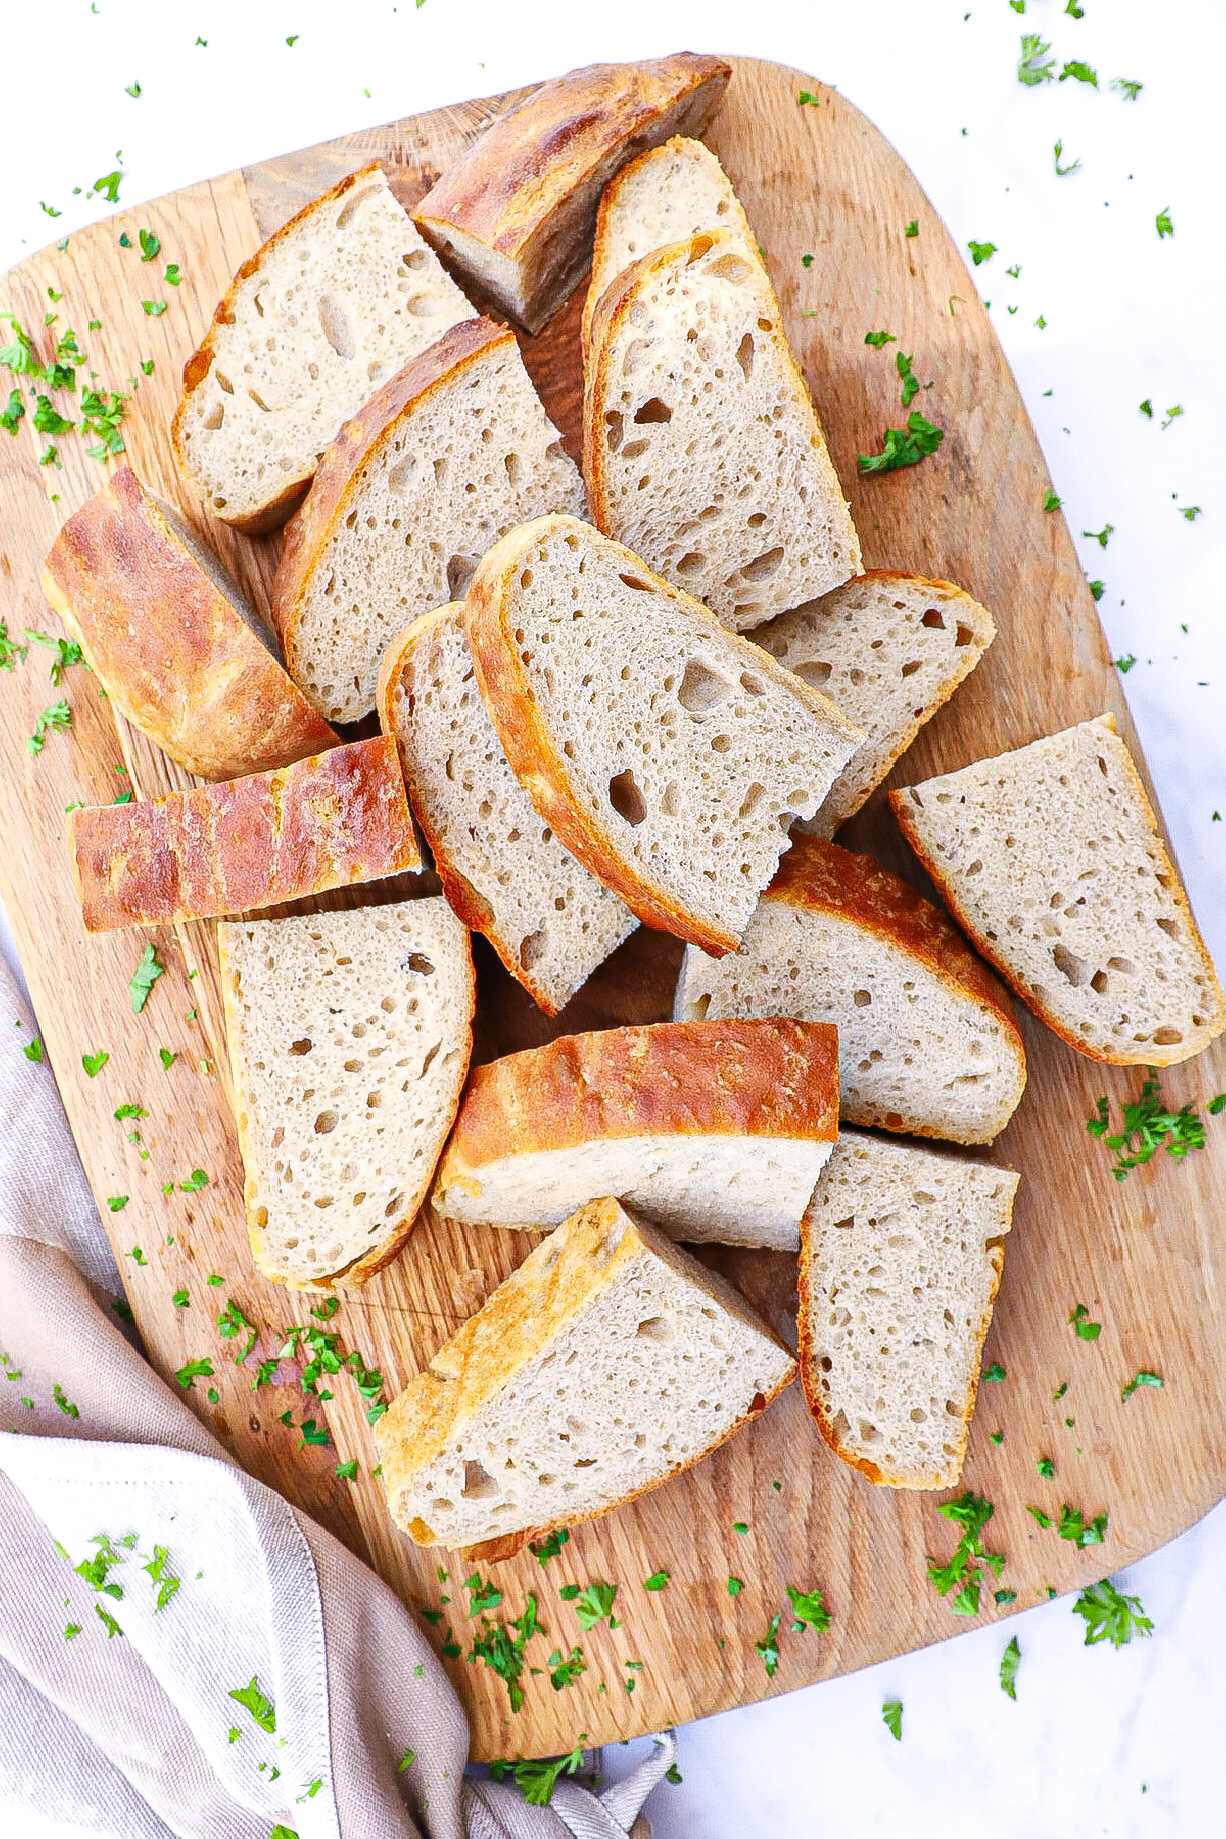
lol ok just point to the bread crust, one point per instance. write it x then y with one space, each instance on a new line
177 658
329 821
1152 1053
505 192
360 441
507 694
772 1078
512 1326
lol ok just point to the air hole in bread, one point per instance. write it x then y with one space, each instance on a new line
637 582
731 268
653 410
326 1122
700 246
762 567
614 424
223 382
934 619
702 689
812 673
751 684
1070 966
752 799
418 962
479 1484
401 474
301 1047
654 1327
354 202
626 797
415 258
259 401
1167 1037
744 355
692 562
965 635
460 571
909 669
334 322
533 948
213 418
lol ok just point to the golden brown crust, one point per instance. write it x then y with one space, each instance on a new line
1150 1053
338 818
359 441
174 653
772 1078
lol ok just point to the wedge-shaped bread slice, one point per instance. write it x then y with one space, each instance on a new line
523 1421
667 754
713 1130
668 194
701 448
501 866
1051 858
170 636
327 822
446 458
349 1036
889 649
900 1259
516 212
337 301
927 1039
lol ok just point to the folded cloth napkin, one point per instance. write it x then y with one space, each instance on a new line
182 1652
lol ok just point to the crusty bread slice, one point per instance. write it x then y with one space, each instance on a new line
501 866
327 822
888 649
666 753
170 636
927 1039
701 448
349 1036
1051 858
713 1130
667 194
340 298
516 212
521 1421
900 1259
446 458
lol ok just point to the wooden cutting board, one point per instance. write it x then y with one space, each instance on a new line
1147 1256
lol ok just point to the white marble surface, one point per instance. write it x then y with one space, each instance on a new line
1098 1741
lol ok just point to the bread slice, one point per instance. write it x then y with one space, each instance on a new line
517 211
900 1258
701 448
171 638
666 754
927 1039
446 458
337 301
1051 858
349 1036
713 1130
667 194
327 822
889 649
607 1362
501 866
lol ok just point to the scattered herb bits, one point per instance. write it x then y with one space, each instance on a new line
1008 1669
891 1717
1111 1616
1138 1380
1081 1325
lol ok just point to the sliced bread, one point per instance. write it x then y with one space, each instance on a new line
927 1039
667 754
701 448
171 638
327 822
516 212
337 301
501 866
526 1420
667 194
713 1130
889 649
349 1036
900 1259
446 458
1051 859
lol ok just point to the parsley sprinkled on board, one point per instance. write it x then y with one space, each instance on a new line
200 1368
1050 501
346 1471
912 228
1082 73
740 1528
33 1050
960 1578
535 1777
1033 65
657 1581
143 979
1101 537
181 1299
231 1323
1147 1127
593 1604
981 252
159 1570
1111 1616
167 1058
253 1700
63 1403
195 1181
173 275
1008 1669
1063 172
1125 662
1138 1380
564 1669
1163 224
1079 1321
996 1372
150 245
807 98
735 1585
1000 1597
1127 89
910 382
11 416
996 1436
768 1646
67 651
482 1596
808 1610
891 1717
154 308
94 1063
903 447
878 339
117 1203
56 719
548 1547
313 1433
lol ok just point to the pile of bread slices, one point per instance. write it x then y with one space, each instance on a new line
644 695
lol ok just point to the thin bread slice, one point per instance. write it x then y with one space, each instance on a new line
665 753
446 458
701 448
712 1130
667 194
889 650
337 301
241 844
169 635
521 1421
501 866
927 1039
516 212
1051 858
900 1259
349 1036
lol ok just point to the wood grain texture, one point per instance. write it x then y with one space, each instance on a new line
1146 1256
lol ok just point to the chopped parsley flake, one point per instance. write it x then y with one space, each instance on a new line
1046 1467
901 447
55 719
806 97
33 1050
117 1203
877 339
657 1581
167 1058
1008 1669
482 1596
735 1585
960 1578
1147 1127
595 1604
143 979
345 1471
195 1181
109 185
910 382
1110 1616
808 1610
1101 537
768 1646
1062 172
912 228
253 1700
565 1670
1124 87
535 1777
159 1571
231 1323
981 252
739 1528
201 1368
1125 662
1082 73
63 1402
1050 501
994 1372
1082 1326
891 1717
1034 66
154 308
173 275
181 1299
1163 224
1142 1378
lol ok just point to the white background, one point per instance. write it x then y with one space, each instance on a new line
1098 1741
